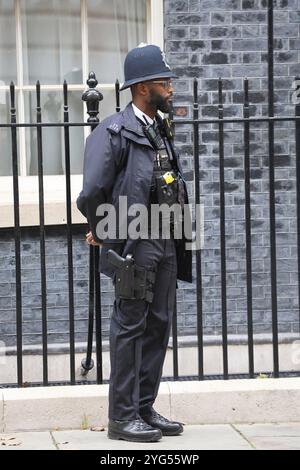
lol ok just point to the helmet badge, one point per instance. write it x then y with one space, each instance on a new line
164 59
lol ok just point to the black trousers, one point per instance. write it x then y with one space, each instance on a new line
139 335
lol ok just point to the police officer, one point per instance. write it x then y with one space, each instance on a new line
131 154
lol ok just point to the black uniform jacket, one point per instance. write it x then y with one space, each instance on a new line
118 161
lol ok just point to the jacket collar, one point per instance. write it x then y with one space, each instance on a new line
134 131
130 121
142 116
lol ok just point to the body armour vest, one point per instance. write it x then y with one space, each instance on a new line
166 185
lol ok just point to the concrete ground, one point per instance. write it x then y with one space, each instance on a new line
275 436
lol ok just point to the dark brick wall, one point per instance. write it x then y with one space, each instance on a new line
228 39
57 286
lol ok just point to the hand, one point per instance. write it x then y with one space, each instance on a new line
90 240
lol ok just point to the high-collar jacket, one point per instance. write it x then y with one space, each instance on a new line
118 161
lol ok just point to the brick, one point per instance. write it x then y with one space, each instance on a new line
249 17
250 4
282 97
182 85
249 70
215 58
221 32
173 19
249 31
289 4
194 32
179 5
284 185
281 16
5 276
190 71
6 248
220 44
251 57
249 44
254 97
294 70
7 262
190 320
217 18
228 84
286 30
177 33
178 59
281 44
194 5
220 4
187 46
222 71
282 83
5 289
294 43
194 59
290 56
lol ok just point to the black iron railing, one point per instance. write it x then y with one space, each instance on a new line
92 97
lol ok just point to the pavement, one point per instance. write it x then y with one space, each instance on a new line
265 436
208 402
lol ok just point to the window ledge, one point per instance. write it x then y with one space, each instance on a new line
54 200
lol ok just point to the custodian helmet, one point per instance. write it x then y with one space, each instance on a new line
145 62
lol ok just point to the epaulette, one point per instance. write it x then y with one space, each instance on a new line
114 128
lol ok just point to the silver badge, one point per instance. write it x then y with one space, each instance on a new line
165 60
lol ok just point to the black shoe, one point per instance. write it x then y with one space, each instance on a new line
168 428
136 430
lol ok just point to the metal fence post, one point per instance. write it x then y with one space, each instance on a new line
198 251
17 233
272 213
297 139
42 231
222 230
246 114
92 97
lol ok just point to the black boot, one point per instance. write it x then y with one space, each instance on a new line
167 427
135 430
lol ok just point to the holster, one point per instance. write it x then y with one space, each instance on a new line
132 281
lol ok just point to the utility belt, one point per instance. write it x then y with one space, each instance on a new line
132 282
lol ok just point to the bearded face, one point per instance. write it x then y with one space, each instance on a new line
163 101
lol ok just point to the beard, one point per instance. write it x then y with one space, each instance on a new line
162 104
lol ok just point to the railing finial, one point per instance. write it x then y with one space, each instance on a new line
92 98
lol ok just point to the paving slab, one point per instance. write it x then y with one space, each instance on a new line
277 436
196 437
27 441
